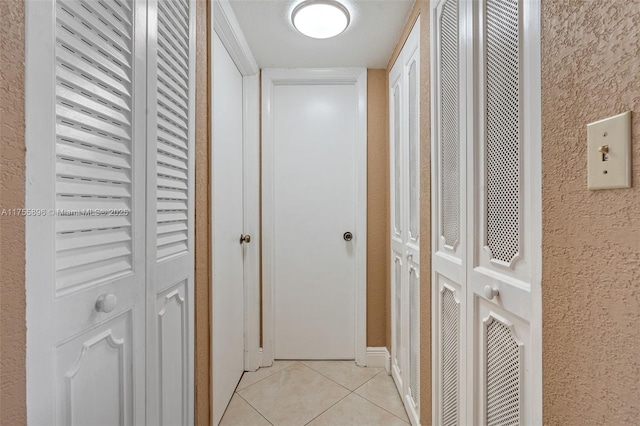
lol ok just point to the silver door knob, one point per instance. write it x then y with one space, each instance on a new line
245 239
490 292
348 236
106 303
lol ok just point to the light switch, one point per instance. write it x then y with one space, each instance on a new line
609 152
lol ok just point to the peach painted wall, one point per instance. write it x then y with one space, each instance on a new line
378 246
12 162
591 239
421 11
202 227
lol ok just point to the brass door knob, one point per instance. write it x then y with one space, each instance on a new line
245 238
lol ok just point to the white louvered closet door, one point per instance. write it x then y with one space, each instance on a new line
86 157
170 214
486 291
404 95
110 172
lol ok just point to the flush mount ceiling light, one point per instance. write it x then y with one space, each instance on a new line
320 18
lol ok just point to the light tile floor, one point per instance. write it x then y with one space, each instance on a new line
316 393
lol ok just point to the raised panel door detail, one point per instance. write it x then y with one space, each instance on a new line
173 343
172 128
502 129
95 385
449 133
93 136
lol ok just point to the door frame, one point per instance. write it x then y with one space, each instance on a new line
280 77
226 26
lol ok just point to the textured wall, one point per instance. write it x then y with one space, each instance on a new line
591 239
377 207
421 11
12 150
202 230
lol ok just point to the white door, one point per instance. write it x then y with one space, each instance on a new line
170 212
404 95
110 118
228 250
316 234
85 269
487 259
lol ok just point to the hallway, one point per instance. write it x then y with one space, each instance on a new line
315 393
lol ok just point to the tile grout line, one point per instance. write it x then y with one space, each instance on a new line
256 410
329 408
381 407
327 377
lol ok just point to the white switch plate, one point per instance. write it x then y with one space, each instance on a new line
612 169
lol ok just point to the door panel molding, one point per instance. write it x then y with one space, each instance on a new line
346 76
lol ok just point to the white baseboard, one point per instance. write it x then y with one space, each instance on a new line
379 357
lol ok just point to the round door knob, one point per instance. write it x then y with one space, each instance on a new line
490 292
106 303
348 236
245 238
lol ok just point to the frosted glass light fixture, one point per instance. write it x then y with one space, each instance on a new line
320 18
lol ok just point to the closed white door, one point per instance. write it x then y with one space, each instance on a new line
404 95
314 234
487 209
85 265
110 133
170 212
228 250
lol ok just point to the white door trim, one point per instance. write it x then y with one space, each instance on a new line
226 26
347 76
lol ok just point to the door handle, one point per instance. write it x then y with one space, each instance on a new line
245 239
490 292
106 303
348 236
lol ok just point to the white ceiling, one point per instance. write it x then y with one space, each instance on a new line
368 41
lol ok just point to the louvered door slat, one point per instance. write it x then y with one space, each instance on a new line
91 239
109 89
101 110
171 172
79 118
105 16
94 137
174 114
118 9
93 41
172 139
84 152
171 150
101 29
77 54
173 38
167 16
90 171
171 183
164 80
172 161
171 66
175 99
